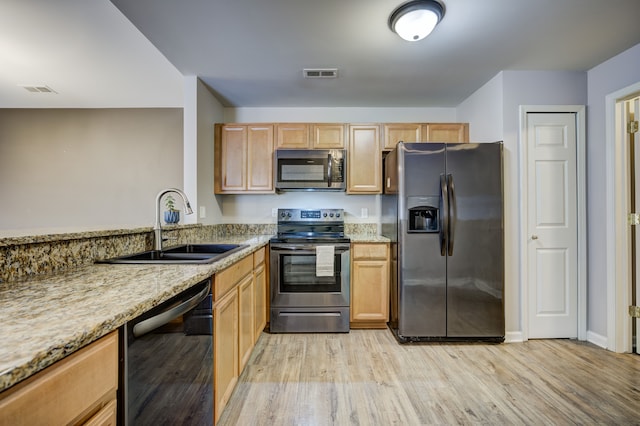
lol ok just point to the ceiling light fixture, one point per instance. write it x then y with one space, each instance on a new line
415 19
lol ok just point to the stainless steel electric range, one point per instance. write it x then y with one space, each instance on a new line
309 272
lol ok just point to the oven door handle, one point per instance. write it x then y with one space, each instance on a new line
150 324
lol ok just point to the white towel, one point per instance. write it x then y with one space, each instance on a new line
324 261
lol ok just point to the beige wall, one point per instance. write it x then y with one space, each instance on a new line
68 168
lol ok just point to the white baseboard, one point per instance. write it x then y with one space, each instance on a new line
597 339
513 337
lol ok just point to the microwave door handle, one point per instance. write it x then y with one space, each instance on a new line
329 167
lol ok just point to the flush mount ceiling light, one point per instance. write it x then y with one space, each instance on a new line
414 20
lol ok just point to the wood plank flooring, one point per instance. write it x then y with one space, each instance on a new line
366 378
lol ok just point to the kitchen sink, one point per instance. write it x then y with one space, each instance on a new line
184 254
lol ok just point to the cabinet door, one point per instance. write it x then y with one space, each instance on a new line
260 158
225 350
406 132
364 163
260 287
246 324
233 160
327 136
370 291
447 132
292 135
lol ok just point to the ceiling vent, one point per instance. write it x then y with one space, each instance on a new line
320 72
38 88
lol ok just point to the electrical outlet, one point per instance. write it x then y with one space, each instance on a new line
203 212
364 213
274 212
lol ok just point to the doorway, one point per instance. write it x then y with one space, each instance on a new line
622 188
553 219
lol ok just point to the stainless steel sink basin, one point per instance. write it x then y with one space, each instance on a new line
206 248
185 254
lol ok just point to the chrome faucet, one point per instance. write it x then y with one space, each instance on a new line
157 228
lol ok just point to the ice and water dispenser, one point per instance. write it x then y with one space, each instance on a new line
424 214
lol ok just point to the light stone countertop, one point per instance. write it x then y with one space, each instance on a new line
368 238
44 319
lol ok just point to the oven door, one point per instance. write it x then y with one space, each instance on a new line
295 281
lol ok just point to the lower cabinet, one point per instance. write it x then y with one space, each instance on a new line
246 324
260 289
369 285
239 315
225 350
79 389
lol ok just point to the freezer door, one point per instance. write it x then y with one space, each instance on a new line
421 267
475 266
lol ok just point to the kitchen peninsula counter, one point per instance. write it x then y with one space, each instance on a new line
46 318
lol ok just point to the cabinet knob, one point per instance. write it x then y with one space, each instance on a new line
534 237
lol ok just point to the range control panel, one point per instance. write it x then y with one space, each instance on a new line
310 215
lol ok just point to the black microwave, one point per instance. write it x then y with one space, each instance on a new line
310 170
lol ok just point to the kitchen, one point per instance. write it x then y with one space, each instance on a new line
491 112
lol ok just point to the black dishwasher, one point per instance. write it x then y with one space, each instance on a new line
167 376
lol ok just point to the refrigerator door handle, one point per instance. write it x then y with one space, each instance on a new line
444 214
452 213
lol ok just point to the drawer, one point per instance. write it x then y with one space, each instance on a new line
227 279
67 391
369 251
258 257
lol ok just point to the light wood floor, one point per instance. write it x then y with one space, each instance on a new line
366 378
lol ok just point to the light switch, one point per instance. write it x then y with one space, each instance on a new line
203 212
274 212
364 213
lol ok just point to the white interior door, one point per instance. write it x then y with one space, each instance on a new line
552 249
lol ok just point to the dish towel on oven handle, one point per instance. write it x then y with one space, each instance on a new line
324 261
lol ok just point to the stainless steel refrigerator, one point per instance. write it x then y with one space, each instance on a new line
442 209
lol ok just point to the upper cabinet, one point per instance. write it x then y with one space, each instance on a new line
406 132
314 136
364 162
292 135
327 136
243 158
446 132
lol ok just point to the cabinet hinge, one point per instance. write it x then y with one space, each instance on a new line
634 311
633 219
632 127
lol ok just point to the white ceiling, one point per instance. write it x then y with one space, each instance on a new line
251 52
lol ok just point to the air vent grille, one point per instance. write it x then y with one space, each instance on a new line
320 72
38 88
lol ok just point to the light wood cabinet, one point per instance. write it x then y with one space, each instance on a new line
225 350
369 285
292 135
260 287
239 315
77 389
243 158
246 324
406 132
327 136
446 132
364 164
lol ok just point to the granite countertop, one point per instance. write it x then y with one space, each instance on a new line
47 318
367 238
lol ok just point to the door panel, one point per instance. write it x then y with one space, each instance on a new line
475 266
552 225
633 114
422 269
